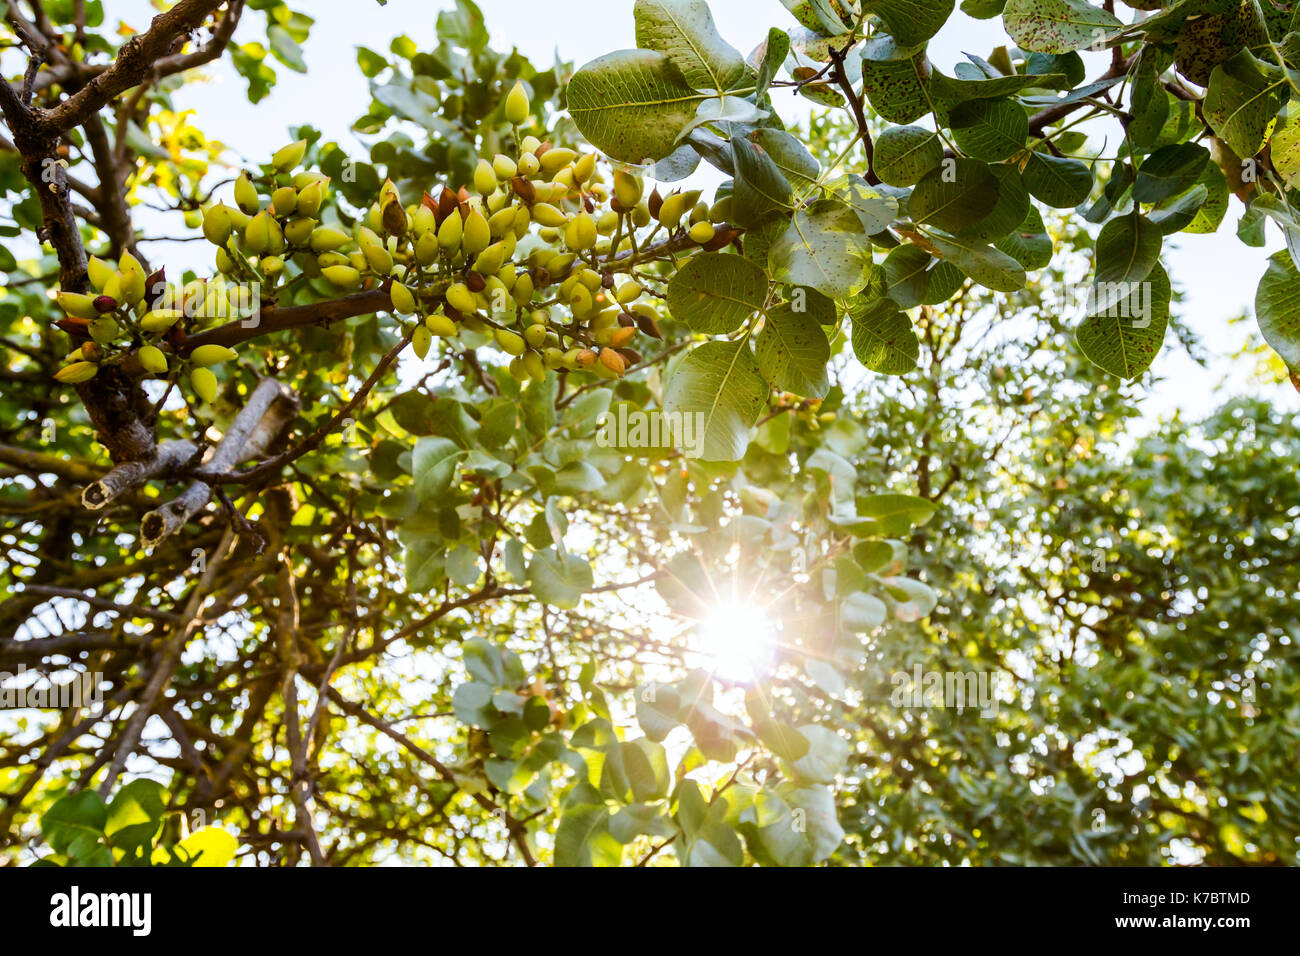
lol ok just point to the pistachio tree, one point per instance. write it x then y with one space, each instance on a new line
398 530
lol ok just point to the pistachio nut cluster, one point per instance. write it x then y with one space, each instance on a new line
537 256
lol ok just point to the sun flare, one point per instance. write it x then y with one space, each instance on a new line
738 641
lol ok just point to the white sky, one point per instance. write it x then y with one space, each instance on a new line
1217 273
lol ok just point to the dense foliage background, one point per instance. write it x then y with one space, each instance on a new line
437 620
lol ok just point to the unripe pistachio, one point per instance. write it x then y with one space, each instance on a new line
530 144
206 355
225 264
217 224
423 220
528 165
378 259
284 200
554 159
702 232
586 358
451 232
298 231
504 166
99 272
326 259
357 260
584 167
535 335
345 277
421 339
310 198
564 179
721 210
580 233
622 337
491 259
246 195
547 215
403 299
204 384
103 330
522 290
113 288
271 265
485 178
641 216
461 299
375 217
534 366
700 213
607 223
289 156
477 234
327 239
77 305
510 342
152 359
305 178
263 234
517 105
501 222
160 320
76 373
440 325
628 292
193 218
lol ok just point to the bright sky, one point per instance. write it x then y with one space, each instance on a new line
1217 273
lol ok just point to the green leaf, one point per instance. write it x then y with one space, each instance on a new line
1169 171
990 130
1125 333
913 277
557 579
1060 182
1148 103
911 22
1057 26
684 31
894 79
861 612
792 352
954 196
794 161
1242 101
1277 308
632 104
906 153
74 824
1029 244
897 513
883 338
433 465
775 50
825 248
720 381
135 814
988 266
657 707
826 755
285 48
1284 150
715 292
583 838
1127 249
761 188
